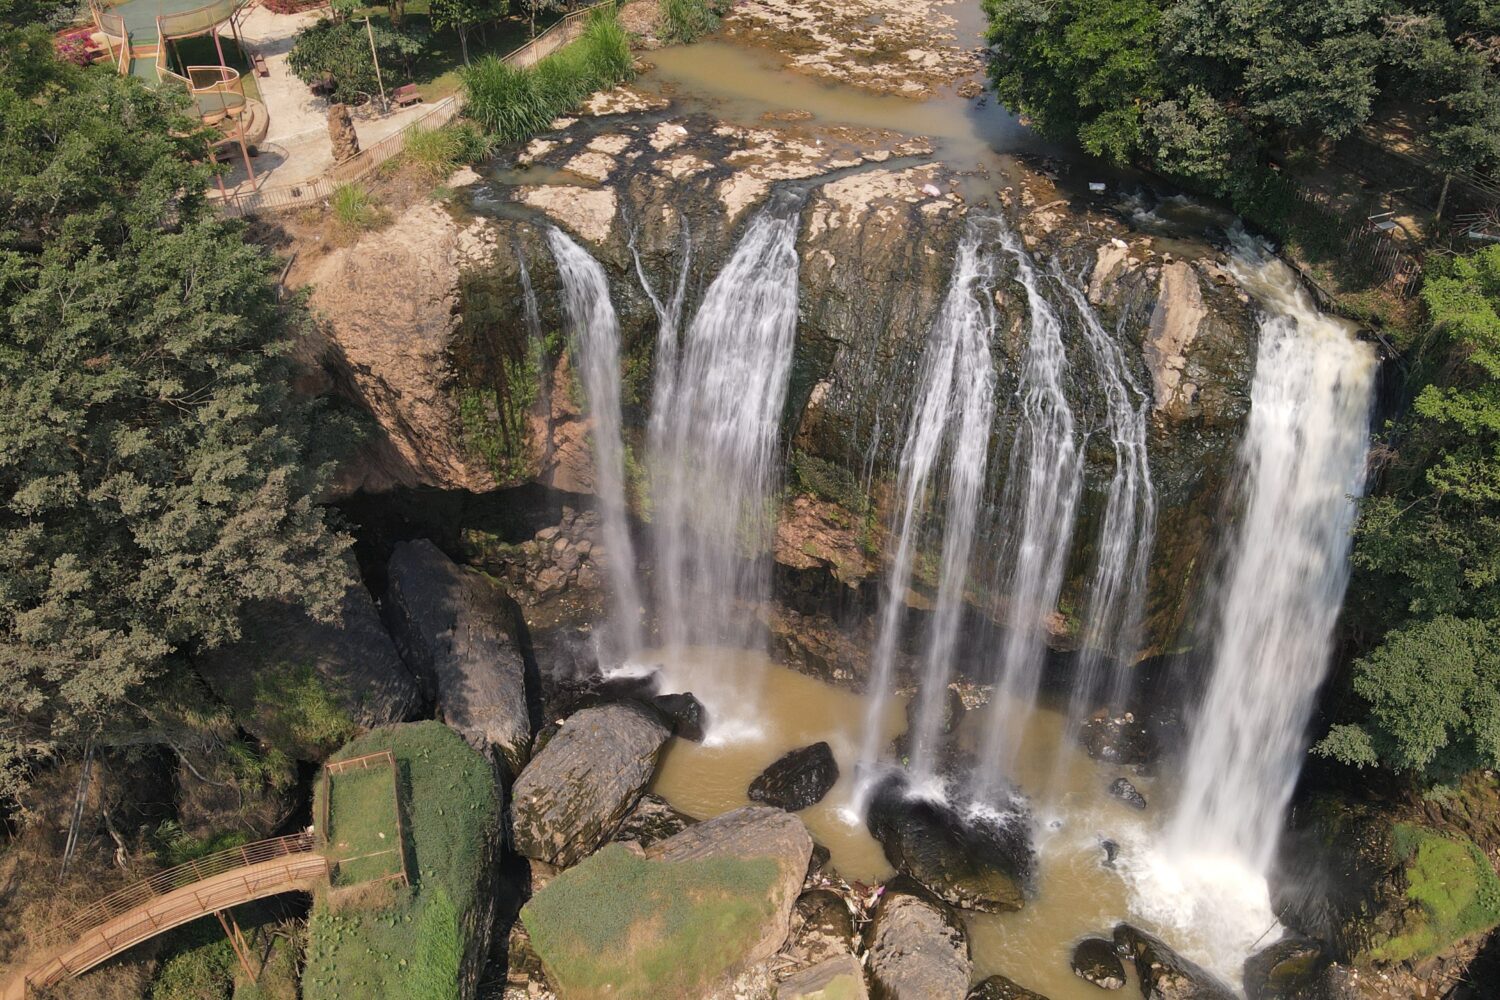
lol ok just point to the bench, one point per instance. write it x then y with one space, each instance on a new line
406 94
259 62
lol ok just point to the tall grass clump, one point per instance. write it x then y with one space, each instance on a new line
515 104
438 152
685 21
353 208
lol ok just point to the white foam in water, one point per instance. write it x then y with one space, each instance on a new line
1213 909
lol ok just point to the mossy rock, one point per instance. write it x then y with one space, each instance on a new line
1451 892
623 926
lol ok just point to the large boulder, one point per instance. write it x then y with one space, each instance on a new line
653 819
974 862
917 948
1164 974
463 638
822 927
1287 970
572 797
691 916
1000 988
839 978
751 832
304 686
797 780
1094 961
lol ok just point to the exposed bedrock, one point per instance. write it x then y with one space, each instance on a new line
435 337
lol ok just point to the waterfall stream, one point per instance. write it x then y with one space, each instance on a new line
1117 589
596 347
1302 462
713 439
957 391
1042 487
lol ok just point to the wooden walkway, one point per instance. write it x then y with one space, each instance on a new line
169 899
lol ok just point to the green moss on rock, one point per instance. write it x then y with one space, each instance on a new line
428 941
1452 891
622 926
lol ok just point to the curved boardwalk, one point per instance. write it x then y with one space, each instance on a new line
169 899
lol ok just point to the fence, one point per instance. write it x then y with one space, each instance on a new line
386 761
317 190
1364 242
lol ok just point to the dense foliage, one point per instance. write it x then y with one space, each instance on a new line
1429 547
337 50
1200 89
156 472
515 103
685 21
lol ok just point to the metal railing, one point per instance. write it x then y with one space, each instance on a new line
183 23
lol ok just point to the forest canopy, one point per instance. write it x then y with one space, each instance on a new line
156 470
1200 90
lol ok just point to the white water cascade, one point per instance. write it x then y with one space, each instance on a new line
713 439
1042 487
1127 534
956 404
596 348
1302 462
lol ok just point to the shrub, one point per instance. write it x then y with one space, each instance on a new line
353 208
516 103
436 153
684 21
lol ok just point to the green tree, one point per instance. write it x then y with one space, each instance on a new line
464 16
156 471
338 48
1428 548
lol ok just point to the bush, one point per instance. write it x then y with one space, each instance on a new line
684 21
340 49
436 153
353 208
516 103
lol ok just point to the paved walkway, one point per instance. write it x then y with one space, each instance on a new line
297 147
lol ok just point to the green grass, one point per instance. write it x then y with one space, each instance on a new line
411 943
438 152
621 926
685 21
516 103
364 837
296 714
1454 888
353 208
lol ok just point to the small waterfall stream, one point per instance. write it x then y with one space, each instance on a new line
713 439
1043 482
957 386
596 347
1127 535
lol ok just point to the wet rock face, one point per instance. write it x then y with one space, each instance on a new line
1094 961
1287 970
1122 789
1120 740
973 863
461 636
562 557
572 797
1164 974
687 717
917 949
1000 988
799 779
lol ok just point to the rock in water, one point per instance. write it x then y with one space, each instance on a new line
751 832
797 780
1000 988
917 948
1095 961
572 797
972 862
1164 974
460 635
1120 741
686 713
838 978
652 819
1127 793
1286 970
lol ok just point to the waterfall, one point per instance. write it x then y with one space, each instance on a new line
957 387
1127 534
713 438
668 322
596 348
1302 463
1042 488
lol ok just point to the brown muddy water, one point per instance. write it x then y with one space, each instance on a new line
769 710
